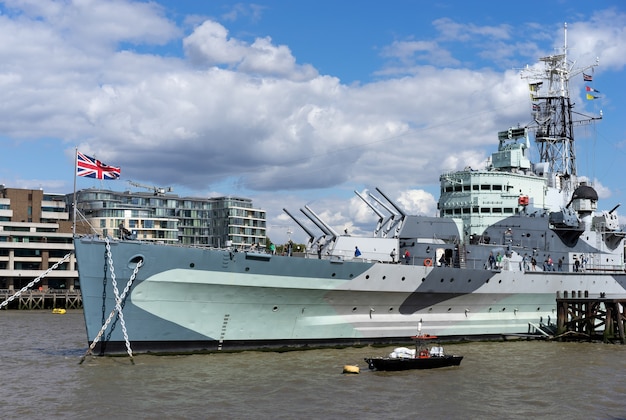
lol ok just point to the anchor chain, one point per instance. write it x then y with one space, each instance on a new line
118 308
104 289
35 281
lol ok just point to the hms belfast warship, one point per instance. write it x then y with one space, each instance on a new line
508 238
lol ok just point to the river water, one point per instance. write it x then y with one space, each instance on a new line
42 378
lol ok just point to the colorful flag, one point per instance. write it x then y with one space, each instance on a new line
591 97
92 168
535 107
587 77
590 89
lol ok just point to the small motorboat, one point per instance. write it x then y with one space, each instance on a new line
422 357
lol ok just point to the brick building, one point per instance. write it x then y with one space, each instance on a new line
35 233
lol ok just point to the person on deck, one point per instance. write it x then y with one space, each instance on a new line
492 261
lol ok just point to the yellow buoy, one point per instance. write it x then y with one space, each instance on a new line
350 369
59 310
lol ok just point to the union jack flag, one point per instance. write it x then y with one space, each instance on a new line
92 168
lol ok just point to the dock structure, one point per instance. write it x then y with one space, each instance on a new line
43 299
600 317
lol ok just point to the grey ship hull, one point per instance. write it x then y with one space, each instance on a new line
195 299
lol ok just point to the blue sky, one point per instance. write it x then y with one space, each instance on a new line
293 103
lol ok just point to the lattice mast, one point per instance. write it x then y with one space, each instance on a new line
552 113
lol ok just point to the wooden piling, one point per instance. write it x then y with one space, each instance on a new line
582 316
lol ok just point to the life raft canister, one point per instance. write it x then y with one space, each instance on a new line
428 262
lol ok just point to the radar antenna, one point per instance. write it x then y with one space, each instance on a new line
552 112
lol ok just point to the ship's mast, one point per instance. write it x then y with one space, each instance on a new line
552 113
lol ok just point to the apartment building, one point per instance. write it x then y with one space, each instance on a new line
167 218
36 228
35 233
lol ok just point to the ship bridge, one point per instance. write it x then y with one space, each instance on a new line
507 186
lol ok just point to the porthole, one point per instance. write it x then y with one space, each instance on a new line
192 265
333 275
354 309
469 280
390 309
275 309
449 309
423 279
351 275
367 276
384 277
247 268
500 281
403 278
442 280
452 280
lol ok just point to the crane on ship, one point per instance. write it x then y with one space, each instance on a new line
154 189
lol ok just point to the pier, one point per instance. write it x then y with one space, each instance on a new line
43 299
581 316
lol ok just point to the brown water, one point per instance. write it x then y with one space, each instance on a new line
42 378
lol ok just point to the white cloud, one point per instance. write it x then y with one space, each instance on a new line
209 45
247 113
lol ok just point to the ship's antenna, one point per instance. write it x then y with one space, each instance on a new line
563 87
552 112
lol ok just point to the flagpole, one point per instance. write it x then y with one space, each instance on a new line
74 203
